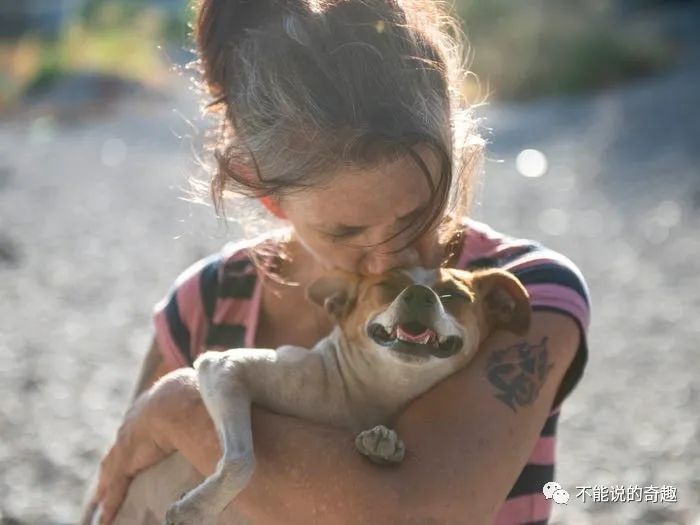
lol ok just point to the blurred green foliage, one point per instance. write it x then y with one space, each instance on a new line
519 49
127 39
175 20
540 47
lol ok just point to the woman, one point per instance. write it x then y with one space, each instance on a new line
345 119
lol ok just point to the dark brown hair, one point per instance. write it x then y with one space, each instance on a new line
303 88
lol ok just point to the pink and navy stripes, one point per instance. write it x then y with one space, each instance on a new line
215 303
210 306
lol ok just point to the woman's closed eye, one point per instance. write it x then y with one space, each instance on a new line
344 233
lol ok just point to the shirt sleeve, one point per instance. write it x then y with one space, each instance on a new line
556 284
181 318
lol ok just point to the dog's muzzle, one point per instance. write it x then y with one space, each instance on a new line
413 332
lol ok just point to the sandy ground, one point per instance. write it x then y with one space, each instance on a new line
92 234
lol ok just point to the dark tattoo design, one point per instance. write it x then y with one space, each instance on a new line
518 372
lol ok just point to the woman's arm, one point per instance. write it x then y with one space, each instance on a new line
467 440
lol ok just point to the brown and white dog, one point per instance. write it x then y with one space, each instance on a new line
396 336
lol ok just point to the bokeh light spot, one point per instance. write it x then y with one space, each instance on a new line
531 163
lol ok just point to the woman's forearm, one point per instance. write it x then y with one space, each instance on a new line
305 472
311 473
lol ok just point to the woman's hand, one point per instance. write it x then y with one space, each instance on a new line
135 449
169 416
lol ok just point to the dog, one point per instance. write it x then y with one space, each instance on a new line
396 335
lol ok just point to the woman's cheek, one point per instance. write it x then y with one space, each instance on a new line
339 257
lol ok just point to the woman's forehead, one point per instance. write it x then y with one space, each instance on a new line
363 197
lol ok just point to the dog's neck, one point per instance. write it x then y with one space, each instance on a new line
372 379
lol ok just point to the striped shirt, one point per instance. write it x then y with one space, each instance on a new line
214 304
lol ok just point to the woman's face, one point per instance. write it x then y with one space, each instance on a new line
367 207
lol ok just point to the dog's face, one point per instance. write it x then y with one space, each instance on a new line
416 316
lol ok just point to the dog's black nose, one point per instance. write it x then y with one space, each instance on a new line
417 296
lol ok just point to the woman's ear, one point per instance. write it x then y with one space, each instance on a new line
272 205
504 300
334 292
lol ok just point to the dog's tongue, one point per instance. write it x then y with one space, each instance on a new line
422 337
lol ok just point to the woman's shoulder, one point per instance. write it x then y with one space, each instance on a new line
551 277
486 246
212 301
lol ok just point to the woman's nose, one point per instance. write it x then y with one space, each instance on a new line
379 262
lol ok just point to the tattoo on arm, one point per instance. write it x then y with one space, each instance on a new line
517 372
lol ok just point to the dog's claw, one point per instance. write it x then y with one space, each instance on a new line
381 445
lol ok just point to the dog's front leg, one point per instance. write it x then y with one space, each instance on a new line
227 398
381 445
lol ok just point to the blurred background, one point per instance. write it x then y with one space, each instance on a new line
593 122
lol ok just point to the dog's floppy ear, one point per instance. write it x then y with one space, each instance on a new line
335 292
505 301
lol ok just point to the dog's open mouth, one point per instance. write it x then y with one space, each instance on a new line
414 334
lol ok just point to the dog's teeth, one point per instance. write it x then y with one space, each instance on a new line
410 338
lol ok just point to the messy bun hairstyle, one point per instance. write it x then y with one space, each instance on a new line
302 88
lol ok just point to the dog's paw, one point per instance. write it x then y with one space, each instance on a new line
185 513
381 445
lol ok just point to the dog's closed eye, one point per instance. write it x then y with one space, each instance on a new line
453 294
388 287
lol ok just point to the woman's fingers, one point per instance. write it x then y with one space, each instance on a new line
113 483
109 470
89 513
113 498
134 450
127 457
